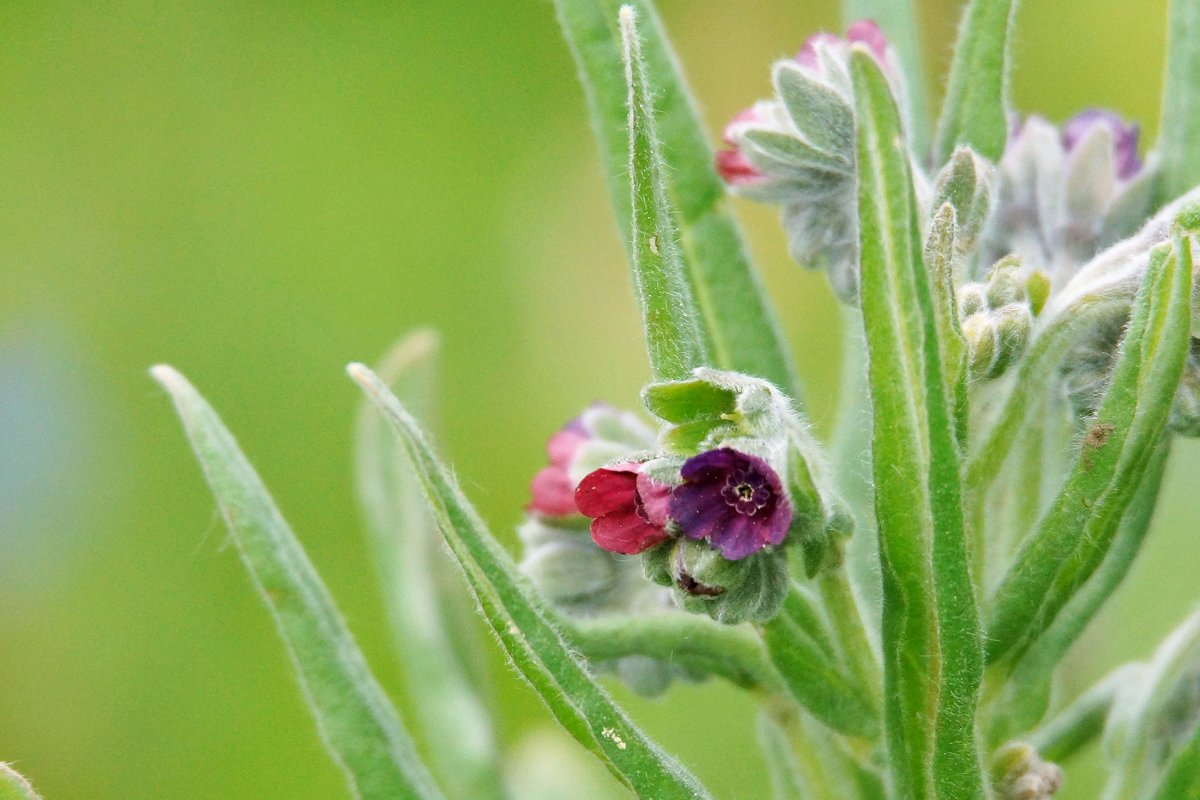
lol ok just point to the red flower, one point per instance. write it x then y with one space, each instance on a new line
628 508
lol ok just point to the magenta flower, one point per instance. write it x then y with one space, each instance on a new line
1124 136
552 489
732 165
628 508
864 32
732 499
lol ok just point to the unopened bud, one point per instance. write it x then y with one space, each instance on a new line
1019 773
730 592
565 566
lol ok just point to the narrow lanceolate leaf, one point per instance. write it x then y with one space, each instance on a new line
1026 696
975 111
1179 130
429 624
741 329
537 649
1076 532
1083 720
898 21
355 718
13 785
669 312
931 639
800 648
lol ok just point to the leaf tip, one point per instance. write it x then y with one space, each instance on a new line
169 378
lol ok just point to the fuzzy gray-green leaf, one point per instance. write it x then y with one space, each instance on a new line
931 640
669 313
14 786
975 111
1179 129
537 649
741 329
428 614
354 716
1075 533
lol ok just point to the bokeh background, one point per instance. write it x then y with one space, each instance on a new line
260 192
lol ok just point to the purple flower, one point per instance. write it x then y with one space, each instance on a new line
1124 136
628 509
732 499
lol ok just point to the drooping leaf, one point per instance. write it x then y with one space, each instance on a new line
1026 695
741 329
356 720
421 594
669 313
1179 128
975 111
14 786
931 638
1075 533
536 648
898 21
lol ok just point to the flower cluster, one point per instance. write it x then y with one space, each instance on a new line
797 151
733 500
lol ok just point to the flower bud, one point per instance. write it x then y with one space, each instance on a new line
1019 773
996 319
565 566
704 582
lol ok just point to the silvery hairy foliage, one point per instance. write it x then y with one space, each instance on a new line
1019 305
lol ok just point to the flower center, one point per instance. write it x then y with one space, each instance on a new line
746 492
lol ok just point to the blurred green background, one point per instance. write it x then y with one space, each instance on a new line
260 192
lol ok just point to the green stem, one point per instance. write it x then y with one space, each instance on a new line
1082 721
850 632
734 653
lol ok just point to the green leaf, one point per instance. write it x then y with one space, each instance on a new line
1077 530
669 313
357 723
1026 695
428 615
931 639
537 649
798 645
1179 128
13 786
819 112
741 329
898 21
975 111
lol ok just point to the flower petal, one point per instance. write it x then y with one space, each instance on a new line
655 497
553 493
699 509
607 490
624 532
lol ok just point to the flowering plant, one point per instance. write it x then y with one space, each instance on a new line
1020 304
